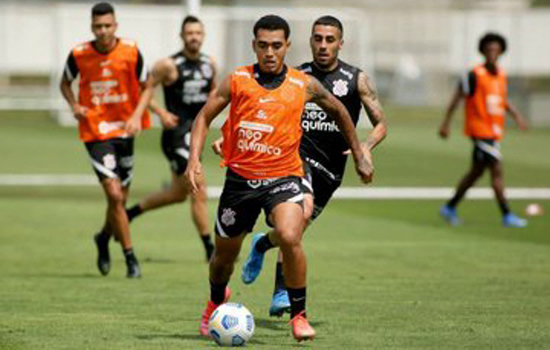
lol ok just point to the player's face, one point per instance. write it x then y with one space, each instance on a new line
326 42
492 52
104 28
270 47
193 36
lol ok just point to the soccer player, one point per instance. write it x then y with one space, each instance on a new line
323 147
485 91
261 150
188 77
111 73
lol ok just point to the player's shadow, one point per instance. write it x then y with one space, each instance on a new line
177 336
279 325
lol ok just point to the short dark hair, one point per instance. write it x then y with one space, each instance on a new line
329 21
102 8
272 23
492 38
189 19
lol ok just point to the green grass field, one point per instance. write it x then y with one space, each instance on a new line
382 274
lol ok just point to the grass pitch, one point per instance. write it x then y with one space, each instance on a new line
382 274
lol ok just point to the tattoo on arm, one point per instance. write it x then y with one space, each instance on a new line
369 98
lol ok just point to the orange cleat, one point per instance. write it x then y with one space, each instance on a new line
301 329
210 307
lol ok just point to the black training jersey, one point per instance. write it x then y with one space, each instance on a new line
188 94
322 143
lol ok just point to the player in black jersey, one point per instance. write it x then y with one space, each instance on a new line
188 78
323 149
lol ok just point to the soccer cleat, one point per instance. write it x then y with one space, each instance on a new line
280 303
449 214
301 329
511 220
210 307
103 257
253 264
133 270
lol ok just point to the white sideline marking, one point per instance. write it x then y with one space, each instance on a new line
343 192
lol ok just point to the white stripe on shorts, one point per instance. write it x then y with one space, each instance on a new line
102 169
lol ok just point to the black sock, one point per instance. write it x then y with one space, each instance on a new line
208 246
504 208
297 301
454 201
133 212
279 279
129 255
104 235
217 292
263 244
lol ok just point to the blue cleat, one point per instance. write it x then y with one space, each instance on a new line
449 214
253 264
280 303
511 220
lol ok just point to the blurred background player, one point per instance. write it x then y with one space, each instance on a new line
322 148
111 76
261 150
188 77
485 92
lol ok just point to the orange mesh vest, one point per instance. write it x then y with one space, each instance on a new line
263 131
486 108
109 88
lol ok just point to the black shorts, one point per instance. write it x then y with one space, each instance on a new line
486 151
112 159
319 182
242 201
176 145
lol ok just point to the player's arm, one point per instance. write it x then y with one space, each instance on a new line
330 104
464 87
517 116
213 107
69 74
158 75
375 113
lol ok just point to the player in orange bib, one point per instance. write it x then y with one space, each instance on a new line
261 142
112 73
485 93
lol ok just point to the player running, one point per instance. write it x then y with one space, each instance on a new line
111 72
261 150
323 147
188 77
485 92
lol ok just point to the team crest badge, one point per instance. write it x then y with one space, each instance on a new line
109 161
228 217
340 88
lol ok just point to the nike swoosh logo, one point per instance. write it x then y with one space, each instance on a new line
298 299
264 100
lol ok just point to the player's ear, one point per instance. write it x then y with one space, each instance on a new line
288 42
254 45
341 44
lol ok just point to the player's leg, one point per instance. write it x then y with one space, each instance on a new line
176 151
479 163
288 221
199 213
497 183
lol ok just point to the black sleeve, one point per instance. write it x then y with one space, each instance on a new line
141 70
468 84
71 69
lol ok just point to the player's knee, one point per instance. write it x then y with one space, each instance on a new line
115 196
289 238
179 196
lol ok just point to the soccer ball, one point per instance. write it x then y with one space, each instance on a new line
231 324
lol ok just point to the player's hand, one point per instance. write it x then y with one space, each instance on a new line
79 111
364 166
133 126
217 146
522 124
193 174
168 120
444 131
